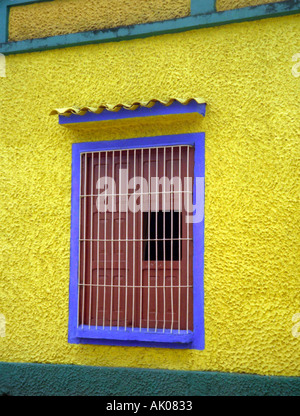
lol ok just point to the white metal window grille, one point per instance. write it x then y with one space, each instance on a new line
135 245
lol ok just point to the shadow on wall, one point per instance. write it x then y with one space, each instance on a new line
2 325
2 66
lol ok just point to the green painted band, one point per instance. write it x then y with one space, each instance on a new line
53 379
199 7
151 29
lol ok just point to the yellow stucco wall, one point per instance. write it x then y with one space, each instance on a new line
251 208
237 4
71 16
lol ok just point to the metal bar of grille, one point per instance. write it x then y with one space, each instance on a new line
98 237
144 193
164 239
79 248
84 245
119 254
105 242
149 262
134 239
133 251
112 247
91 243
156 246
136 286
179 244
187 249
126 250
141 244
156 147
172 230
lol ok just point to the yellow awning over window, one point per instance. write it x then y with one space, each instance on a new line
116 107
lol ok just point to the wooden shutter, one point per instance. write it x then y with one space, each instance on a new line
120 283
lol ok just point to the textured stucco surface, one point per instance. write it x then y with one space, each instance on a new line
251 208
73 380
70 16
237 4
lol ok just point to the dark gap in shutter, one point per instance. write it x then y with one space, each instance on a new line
162 245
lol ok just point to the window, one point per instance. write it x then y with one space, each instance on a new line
134 280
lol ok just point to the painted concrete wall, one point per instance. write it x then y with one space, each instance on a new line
71 16
251 212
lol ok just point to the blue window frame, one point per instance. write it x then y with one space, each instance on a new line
139 337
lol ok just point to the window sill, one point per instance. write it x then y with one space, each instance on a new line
136 334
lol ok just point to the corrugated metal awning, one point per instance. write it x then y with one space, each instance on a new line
80 111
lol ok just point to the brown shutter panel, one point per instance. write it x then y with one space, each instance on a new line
119 284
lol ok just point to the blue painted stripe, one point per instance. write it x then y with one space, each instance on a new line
198 247
140 143
74 244
151 29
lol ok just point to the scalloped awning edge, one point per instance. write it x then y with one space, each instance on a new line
80 111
